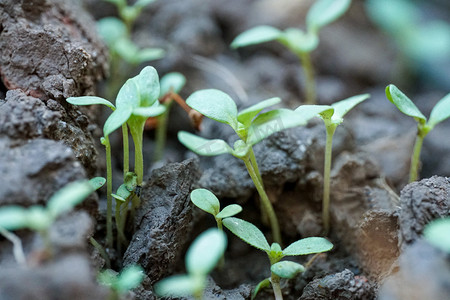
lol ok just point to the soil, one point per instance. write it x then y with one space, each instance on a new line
49 51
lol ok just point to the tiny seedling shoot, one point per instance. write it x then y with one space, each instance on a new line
207 201
301 43
201 258
128 279
250 126
437 233
39 218
440 112
332 116
250 234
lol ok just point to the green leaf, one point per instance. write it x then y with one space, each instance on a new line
205 252
147 82
273 121
404 104
203 146
128 94
262 284
246 116
298 41
173 81
180 286
111 30
151 111
90 100
13 217
97 182
229 211
116 119
437 233
123 192
129 278
248 232
130 181
440 112
256 35
39 218
342 107
308 246
205 200
149 54
323 12
215 105
107 277
127 50
287 269
68 197
310 111
142 3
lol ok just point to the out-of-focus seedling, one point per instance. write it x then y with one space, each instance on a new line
440 112
301 43
129 278
250 234
437 232
201 258
332 116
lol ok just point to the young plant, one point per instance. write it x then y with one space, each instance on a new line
201 258
39 218
301 43
437 232
128 279
207 201
332 116
251 129
440 112
250 234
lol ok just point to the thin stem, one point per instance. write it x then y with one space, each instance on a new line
326 178
126 151
109 235
137 134
102 252
310 84
264 216
265 200
275 280
161 134
415 158
19 255
120 235
45 235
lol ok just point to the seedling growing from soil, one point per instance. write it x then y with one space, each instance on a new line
201 258
332 116
207 201
437 232
128 279
39 218
250 234
440 112
251 129
301 43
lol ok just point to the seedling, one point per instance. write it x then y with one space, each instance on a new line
301 43
201 258
250 234
440 112
332 116
39 218
207 201
251 129
437 232
128 279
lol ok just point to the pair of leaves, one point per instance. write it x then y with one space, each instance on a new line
129 278
207 201
125 189
440 112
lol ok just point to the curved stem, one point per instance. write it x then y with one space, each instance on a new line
18 253
109 235
310 84
326 178
275 280
415 158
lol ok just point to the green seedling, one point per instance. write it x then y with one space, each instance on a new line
437 232
250 234
39 218
128 279
332 116
440 112
299 42
207 201
251 127
201 258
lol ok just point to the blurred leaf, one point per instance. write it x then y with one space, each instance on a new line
256 35
107 277
437 233
90 100
308 246
13 217
298 41
205 200
171 82
404 104
203 146
116 119
246 116
142 3
262 284
97 182
229 211
394 16
287 269
129 278
440 112
324 12
68 197
248 232
149 54
39 218
111 30
179 286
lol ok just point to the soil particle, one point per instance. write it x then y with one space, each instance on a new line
164 220
420 203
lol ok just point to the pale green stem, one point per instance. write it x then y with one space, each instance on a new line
310 84
137 134
326 178
222 259
45 235
161 134
120 234
265 200
126 151
264 216
102 252
415 158
109 235
275 280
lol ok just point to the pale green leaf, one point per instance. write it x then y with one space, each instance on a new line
127 50
117 197
262 284
287 269
123 192
440 112
307 246
149 54
229 211
324 12
203 146
107 277
256 35
205 200
90 100
142 3
246 116
299 41
310 111
404 104
129 278
248 232
39 218
68 197
179 286
97 182
13 217
205 252
117 119
111 30
147 82
215 105
128 95
438 234
151 111
173 81
130 181
342 107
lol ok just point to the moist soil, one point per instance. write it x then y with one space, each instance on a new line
49 50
